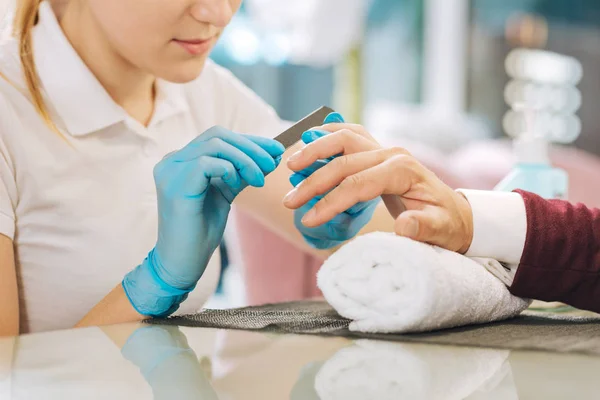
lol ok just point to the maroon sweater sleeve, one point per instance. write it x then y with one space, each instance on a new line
561 258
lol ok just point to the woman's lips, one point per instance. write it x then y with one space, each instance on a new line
197 46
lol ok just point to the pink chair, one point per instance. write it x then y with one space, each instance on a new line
288 273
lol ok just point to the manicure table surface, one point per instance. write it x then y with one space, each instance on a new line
139 361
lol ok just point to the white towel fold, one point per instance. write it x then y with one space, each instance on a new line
387 283
385 370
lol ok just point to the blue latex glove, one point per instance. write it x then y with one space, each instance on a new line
343 226
195 187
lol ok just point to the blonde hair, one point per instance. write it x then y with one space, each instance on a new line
26 16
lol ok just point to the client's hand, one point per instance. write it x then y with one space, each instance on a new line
425 208
341 227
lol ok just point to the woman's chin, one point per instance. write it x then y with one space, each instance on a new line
184 72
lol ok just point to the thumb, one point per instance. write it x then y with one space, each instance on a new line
418 225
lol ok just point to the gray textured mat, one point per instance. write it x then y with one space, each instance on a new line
558 332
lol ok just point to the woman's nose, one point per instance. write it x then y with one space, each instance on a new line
214 12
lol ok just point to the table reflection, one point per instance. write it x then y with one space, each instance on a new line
168 364
386 370
138 361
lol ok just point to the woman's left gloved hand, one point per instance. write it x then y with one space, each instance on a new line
195 188
343 226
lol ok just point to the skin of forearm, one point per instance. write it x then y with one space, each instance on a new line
115 308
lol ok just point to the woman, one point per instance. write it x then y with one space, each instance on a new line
109 110
551 247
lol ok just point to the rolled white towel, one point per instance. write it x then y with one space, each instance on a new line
386 370
387 283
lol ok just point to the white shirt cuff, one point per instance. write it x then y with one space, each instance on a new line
499 227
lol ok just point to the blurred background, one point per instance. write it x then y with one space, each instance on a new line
367 58
429 75
382 62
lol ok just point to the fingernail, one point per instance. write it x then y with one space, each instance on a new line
296 156
310 216
290 196
411 228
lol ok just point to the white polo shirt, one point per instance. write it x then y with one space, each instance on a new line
84 215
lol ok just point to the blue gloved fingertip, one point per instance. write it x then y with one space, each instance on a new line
334 118
278 147
296 179
312 135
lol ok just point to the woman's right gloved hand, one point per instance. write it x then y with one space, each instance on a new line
195 187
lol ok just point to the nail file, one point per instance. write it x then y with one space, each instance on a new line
293 134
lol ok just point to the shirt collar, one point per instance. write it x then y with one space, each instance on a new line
79 99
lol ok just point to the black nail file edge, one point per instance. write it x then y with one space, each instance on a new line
293 134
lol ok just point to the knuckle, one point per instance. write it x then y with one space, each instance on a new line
310 185
434 226
352 182
403 161
360 130
214 130
348 134
214 141
230 169
307 182
202 162
340 163
315 183
398 151
325 202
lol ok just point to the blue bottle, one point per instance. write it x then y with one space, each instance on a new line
533 171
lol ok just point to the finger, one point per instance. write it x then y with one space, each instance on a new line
246 166
230 184
331 175
228 190
341 142
362 187
296 179
338 126
334 117
313 134
420 225
311 169
359 207
252 150
197 174
273 147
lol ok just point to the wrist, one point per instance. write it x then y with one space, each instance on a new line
466 217
149 294
162 273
